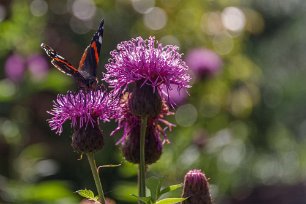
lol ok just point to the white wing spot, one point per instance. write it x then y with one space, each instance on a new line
100 39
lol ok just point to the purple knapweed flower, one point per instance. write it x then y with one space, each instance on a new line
196 188
155 133
129 122
14 67
203 62
177 96
38 66
146 62
82 108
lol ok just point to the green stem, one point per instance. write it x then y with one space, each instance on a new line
142 162
95 173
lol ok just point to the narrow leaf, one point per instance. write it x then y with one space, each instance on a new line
170 188
154 185
87 194
170 200
147 200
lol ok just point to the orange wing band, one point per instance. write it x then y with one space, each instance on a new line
94 46
67 64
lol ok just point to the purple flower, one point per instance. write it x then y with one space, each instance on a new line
146 62
14 67
196 188
203 62
130 141
128 122
177 96
38 66
131 145
82 108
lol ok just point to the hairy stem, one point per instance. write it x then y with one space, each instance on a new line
142 162
95 173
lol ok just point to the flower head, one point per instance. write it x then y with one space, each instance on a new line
203 62
82 108
130 141
131 145
196 188
177 96
15 67
129 122
148 62
38 66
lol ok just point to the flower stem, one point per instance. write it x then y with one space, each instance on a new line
95 173
142 162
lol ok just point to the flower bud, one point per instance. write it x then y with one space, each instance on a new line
153 145
144 101
196 188
107 201
87 138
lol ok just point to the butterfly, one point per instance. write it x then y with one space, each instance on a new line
86 74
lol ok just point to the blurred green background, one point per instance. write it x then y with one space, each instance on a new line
243 123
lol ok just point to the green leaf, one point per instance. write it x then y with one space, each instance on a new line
154 185
87 194
147 200
170 188
170 200
123 192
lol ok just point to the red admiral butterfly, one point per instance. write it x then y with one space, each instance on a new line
86 74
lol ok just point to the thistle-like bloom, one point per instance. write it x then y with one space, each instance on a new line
15 67
204 62
153 143
196 188
128 122
146 62
155 133
82 108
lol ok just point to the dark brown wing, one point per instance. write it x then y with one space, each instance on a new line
90 58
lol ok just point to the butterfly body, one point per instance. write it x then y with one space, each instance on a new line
86 74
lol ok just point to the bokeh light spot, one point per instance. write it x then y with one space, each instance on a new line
78 26
186 115
211 23
39 7
2 13
241 103
46 167
189 156
233 19
83 9
143 6
10 131
7 88
170 40
223 44
155 18
231 156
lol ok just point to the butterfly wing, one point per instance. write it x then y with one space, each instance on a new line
90 58
60 62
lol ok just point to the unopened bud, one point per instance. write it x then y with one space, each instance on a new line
87 139
144 101
196 188
153 146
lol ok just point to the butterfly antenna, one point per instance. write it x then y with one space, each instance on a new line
50 52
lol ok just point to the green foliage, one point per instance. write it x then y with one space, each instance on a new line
154 185
170 200
87 194
45 192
